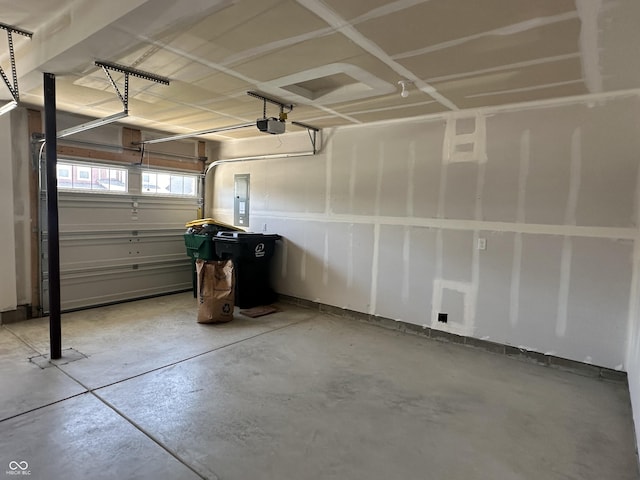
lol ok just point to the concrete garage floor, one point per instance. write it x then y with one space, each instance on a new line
147 393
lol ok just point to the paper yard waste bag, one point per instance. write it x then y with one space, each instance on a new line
215 291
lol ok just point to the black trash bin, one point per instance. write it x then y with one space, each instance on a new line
251 254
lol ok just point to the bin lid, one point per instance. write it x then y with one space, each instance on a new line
246 236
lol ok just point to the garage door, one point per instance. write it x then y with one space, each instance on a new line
120 233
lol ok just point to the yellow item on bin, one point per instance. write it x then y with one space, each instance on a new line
211 221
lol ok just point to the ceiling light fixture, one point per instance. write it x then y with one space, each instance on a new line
8 107
404 93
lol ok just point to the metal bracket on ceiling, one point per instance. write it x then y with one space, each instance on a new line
283 114
124 97
310 129
12 86
127 71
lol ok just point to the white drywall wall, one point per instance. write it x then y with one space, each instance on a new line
386 221
633 333
22 167
633 366
8 293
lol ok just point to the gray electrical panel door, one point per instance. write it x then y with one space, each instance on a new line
241 200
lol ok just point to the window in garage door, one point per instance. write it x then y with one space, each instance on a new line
74 176
169 183
118 239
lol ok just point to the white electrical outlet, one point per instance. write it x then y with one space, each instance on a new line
482 244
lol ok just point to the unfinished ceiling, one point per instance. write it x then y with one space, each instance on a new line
338 61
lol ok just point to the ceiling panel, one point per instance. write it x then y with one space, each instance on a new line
164 111
402 112
213 40
198 121
525 96
439 21
222 84
354 8
285 21
242 101
475 53
29 14
526 77
179 92
156 60
231 18
393 100
185 93
491 88
65 88
97 109
497 50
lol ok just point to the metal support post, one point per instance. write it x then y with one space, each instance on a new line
53 235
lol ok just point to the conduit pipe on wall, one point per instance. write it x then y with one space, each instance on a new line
259 157
212 165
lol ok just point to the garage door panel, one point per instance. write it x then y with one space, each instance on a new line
161 214
107 285
119 246
79 211
107 212
126 248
